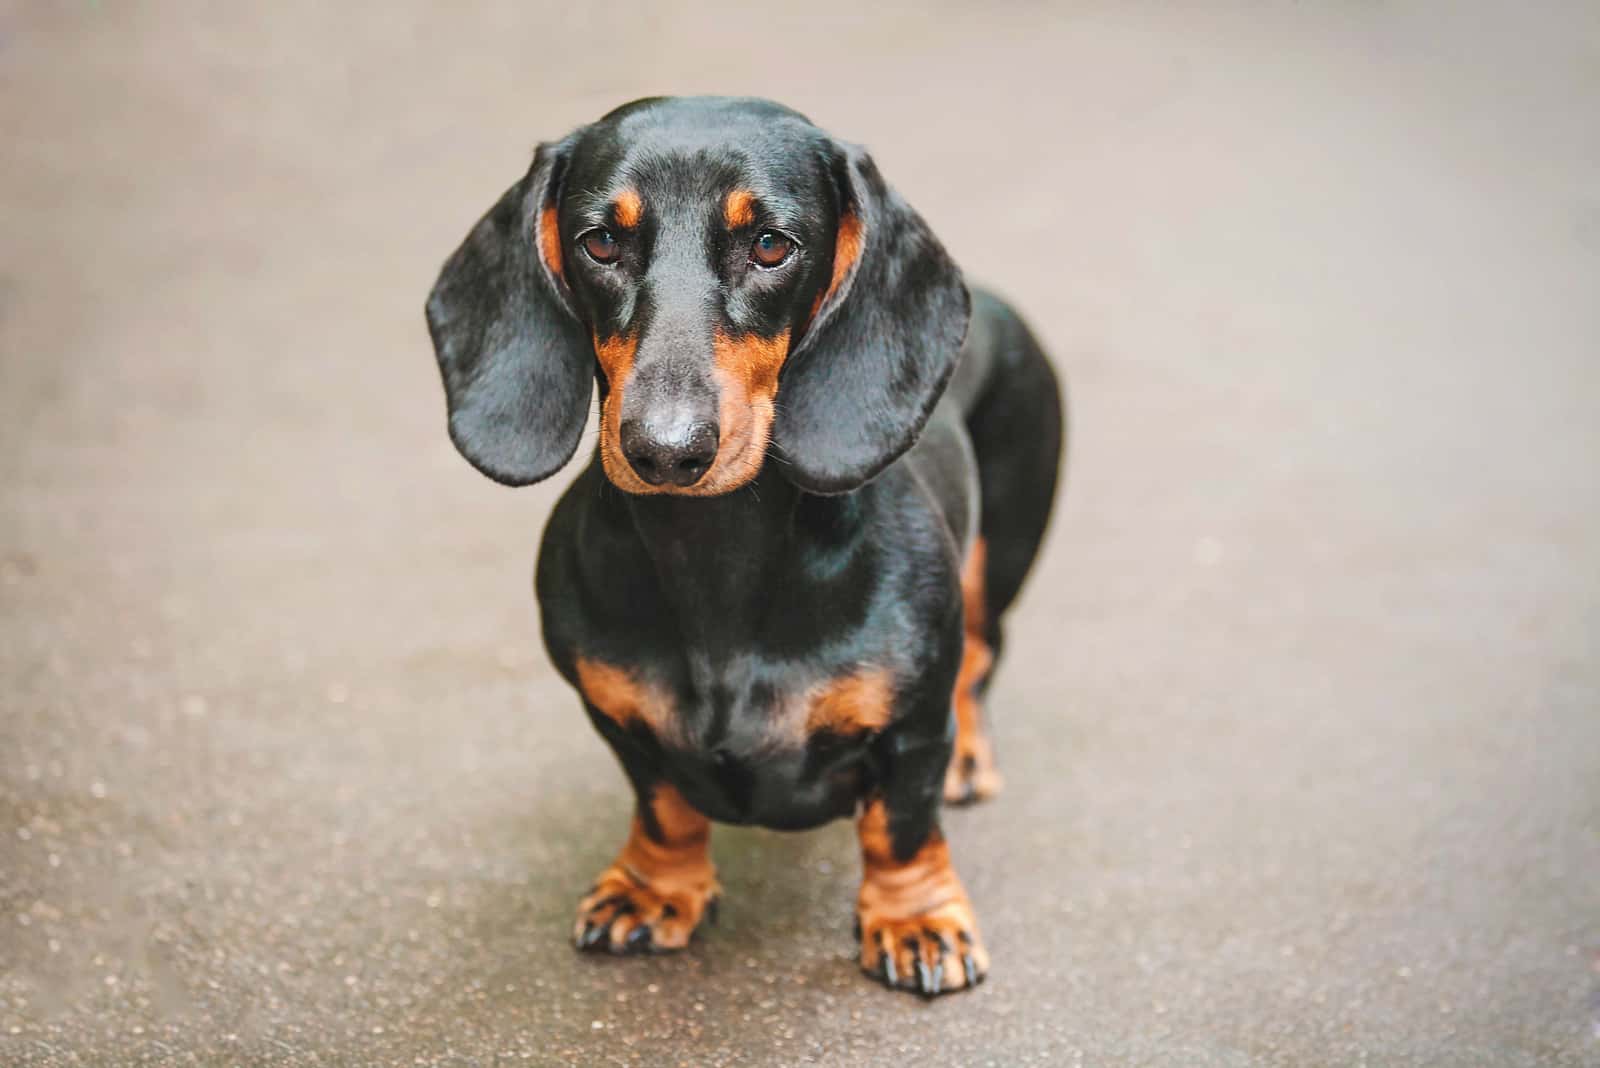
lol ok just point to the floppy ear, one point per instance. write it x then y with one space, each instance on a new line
517 365
880 346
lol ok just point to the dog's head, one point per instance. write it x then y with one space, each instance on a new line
732 277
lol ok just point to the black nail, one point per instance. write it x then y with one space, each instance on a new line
638 939
925 979
593 933
970 966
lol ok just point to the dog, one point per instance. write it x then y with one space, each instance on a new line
824 468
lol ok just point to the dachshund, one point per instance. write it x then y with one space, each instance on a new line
825 466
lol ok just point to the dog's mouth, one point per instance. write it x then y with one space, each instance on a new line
745 371
741 451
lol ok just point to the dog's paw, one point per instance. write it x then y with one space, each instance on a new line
972 774
937 952
623 914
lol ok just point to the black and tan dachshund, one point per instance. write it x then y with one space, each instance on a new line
824 469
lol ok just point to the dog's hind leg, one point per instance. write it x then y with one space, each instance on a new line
1013 409
972 774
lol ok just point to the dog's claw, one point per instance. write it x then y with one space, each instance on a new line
593 933
928 979
626 916
932 953
638 940
927 959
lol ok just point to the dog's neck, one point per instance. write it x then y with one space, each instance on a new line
721 561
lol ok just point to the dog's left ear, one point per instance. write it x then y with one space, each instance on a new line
881 344
517 365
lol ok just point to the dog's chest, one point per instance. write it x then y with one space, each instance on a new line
761 743
740 708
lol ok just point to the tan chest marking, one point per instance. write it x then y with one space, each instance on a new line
851 704
623 699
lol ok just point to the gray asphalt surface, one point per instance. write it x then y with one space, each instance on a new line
1301 718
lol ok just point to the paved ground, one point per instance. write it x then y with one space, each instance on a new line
1302 720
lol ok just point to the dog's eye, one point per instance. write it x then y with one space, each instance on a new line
601 246
770 249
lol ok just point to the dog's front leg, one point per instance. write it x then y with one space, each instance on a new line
662 883
659 887
915 922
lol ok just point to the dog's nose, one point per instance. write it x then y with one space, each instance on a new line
677 455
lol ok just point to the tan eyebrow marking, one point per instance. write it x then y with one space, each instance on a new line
739 209
630 208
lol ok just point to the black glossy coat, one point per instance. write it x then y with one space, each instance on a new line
844 550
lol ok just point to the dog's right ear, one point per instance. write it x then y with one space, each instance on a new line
516 361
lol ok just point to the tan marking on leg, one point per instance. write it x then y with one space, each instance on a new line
974 609
972 774
660 887
914 911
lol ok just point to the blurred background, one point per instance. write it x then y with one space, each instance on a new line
1301 716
